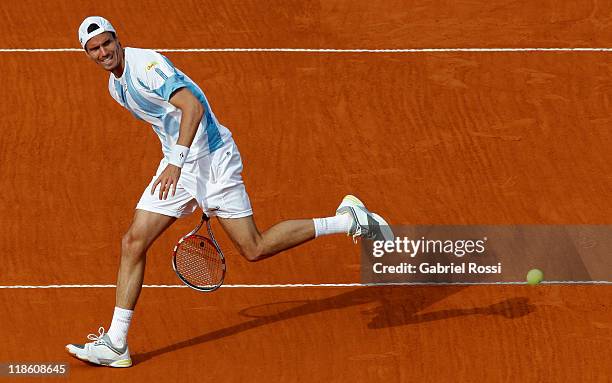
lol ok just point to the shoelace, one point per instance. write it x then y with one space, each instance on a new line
357 234
358 230
97 339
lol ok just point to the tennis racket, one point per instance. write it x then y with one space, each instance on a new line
198 260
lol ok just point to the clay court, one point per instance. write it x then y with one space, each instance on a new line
464 137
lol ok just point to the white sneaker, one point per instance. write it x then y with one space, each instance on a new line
101 351
365 224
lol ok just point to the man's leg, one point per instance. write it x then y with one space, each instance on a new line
255 246
351 218
145 229
111 349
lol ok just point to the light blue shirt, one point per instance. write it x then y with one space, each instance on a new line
144 88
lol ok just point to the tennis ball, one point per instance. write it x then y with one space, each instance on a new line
535 276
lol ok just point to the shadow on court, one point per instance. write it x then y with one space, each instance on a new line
395 306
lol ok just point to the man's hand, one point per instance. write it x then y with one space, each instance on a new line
166 180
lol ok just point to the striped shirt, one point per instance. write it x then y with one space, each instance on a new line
144 88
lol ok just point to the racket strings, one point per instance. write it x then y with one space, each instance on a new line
199 263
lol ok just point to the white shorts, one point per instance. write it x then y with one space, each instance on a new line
214 182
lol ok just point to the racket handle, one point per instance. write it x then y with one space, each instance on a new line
204 219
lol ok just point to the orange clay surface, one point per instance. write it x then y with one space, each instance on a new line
422 138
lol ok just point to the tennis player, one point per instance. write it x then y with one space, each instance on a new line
201 167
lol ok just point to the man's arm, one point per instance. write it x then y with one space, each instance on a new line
192 112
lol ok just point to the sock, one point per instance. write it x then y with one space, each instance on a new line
119 326
332 225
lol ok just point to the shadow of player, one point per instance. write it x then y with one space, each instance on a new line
395 306
387 315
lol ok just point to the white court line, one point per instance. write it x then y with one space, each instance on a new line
326 50
303 285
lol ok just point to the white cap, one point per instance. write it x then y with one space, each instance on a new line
93 26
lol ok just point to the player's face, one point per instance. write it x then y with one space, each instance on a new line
105 50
